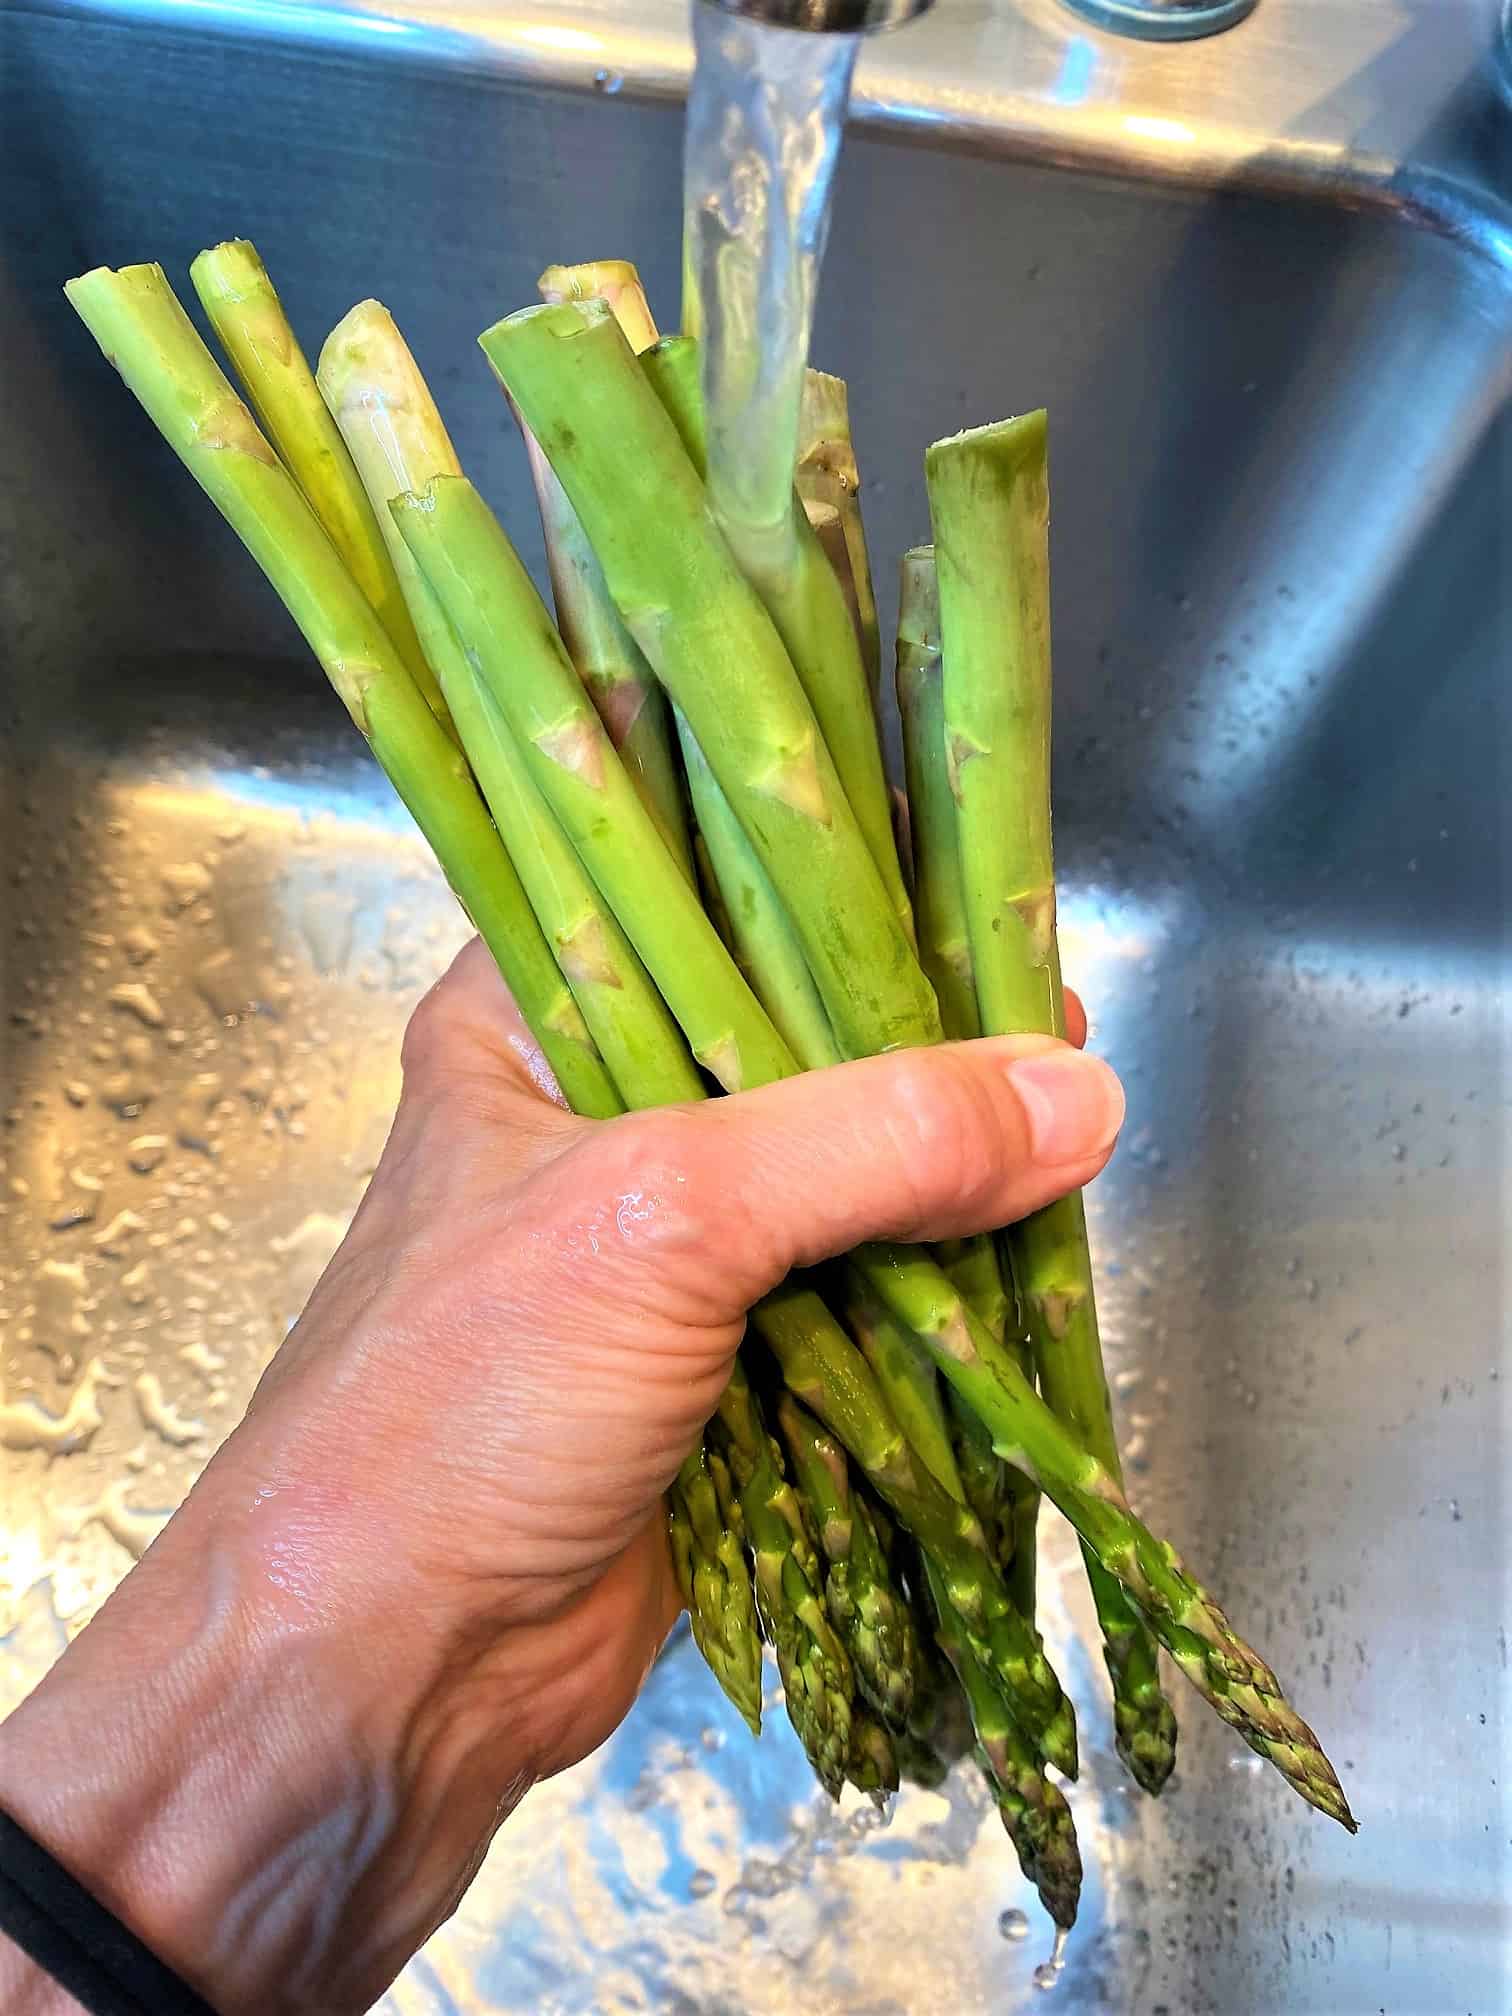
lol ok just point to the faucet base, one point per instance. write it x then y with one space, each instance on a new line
1162 20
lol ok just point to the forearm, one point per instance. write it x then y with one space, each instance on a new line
261 1756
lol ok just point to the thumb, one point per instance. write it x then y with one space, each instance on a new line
916 1145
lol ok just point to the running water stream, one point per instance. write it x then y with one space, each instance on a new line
763 136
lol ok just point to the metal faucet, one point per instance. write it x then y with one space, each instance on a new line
830 17
1146 20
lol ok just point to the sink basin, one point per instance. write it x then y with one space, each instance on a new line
1264 285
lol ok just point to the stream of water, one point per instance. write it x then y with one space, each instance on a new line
763 136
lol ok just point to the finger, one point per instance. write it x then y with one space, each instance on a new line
919 1145
467 1029
1076 1019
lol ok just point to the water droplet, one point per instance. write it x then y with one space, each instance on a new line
159 1413
1013 1924
27 1424
136 998
139 945
146 1152
185 883
702 1883
609 82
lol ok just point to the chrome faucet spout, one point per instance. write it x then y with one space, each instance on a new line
827 17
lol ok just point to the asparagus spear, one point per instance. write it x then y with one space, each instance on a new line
764 943
610 663
906 1375
640 501
817 1680
707 1553
500 620
398 442
827 475
139 323
828 1374
945 951
1035 1814
869 1610
989 501
248 317
614 281
939 897
873 1763
806 599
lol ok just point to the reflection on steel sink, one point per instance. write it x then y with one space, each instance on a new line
1263 285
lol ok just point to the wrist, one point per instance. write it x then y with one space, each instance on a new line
269 1754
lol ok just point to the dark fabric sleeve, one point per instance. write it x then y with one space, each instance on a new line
72 1937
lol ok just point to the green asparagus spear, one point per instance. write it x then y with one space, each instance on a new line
869 1610
609 662
703 1523
715 650
399 441
816 1674
807 601
139 323
945 950
873 1763
939 897
248 317
989 501
906 1374
827 475
764 944
1035 1813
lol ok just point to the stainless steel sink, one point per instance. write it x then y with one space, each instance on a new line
1264 284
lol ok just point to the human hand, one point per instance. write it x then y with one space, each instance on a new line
430 1566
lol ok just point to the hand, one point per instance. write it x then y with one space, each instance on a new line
430 1565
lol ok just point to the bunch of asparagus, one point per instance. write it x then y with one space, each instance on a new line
667 815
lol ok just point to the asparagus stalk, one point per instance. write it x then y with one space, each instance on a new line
806 599
817 1680
139 323
869 1610
939 896
828 1374
873 1763
610 663
248 317
1035 1814
945 951
989 501
398 443
703 1525
715 650
764 941
827 475
614 281
503 626
764 944
906 1375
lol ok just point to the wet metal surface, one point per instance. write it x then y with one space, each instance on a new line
1265 294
